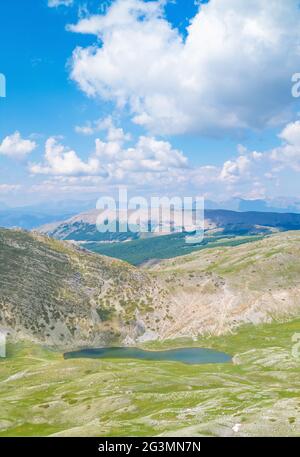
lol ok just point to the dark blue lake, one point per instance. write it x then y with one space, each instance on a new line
185 355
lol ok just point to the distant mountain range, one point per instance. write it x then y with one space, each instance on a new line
82 227
280 205
33 216
30 217
27 220
222 228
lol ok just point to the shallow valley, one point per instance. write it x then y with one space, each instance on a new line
41 394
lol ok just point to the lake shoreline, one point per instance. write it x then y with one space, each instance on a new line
187 355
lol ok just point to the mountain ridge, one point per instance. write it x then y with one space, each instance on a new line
213 218
61 295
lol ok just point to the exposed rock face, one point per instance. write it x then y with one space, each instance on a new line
216 290
55 293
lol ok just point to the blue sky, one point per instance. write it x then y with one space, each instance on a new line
165 97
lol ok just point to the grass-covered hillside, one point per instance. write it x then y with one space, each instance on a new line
42 394
153 249
242 300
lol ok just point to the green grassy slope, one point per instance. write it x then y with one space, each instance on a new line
42 394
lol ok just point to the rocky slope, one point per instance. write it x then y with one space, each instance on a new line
55 293
215 290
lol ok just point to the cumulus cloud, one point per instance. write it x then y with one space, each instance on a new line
149 164
56 3
207 82
288 154
62 161
252 173
16 147
148 154
112 158
113 133
234 170
90 128
86 129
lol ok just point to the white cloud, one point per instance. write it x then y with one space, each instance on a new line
86 129
254 174
288 154
113 133
62 161
148 154
234 170
227 74
111 159
152 165
16 147
90 128
56 3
